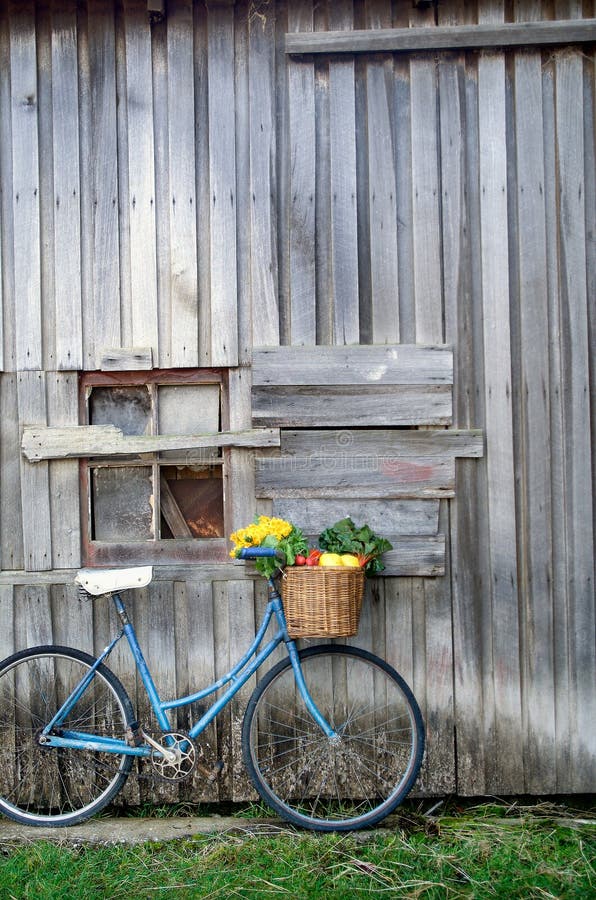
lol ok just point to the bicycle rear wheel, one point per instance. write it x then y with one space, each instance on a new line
334 785
58 786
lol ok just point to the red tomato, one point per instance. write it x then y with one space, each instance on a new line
300 560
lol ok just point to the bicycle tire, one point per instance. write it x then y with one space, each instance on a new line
58 786
312 781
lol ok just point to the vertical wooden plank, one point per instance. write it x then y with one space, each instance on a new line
11 514
263 182
302 150
556 441
382 201
242 628
432 619
425 201
85 187
106 626
141 178
25 186
6 238
67 207
62 392
535 528
163 197
157 636
223 662
222 185
459 200
402 114
101 313
7 645
240 466
199 649
502 695
575 359
323 196
243 187
43 26
344 226
200 51
35 487
182 193
33 622
72 619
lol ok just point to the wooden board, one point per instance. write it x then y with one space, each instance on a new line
263 184
354 365
182 195
35 487
312 515
222 185
67 192
64 484
302 167
108 440
373 478
344 275
502 698
25 188
123 359
576 353
100 176
386 405
11 512
445 38
535 531
375 443
141 329
382 202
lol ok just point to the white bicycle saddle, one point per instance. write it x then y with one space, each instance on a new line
104 581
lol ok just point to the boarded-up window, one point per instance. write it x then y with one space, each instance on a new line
155 506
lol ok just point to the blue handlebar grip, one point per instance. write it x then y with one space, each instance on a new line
254 552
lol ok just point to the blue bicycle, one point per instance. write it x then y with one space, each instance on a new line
332 736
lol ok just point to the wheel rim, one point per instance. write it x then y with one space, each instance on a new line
56 784
360 777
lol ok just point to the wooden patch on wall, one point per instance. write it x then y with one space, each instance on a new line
352 385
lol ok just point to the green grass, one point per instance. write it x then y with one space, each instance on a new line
478 854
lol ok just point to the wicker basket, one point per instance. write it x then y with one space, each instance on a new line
322 601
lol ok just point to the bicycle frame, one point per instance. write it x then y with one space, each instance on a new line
235 678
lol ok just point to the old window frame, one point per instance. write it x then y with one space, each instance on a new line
167 551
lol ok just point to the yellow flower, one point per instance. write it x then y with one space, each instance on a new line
255 533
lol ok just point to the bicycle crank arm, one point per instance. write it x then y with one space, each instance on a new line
170 755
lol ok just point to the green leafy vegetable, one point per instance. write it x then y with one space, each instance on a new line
292 546
345 537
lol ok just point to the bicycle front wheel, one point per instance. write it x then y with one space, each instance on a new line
343 783
58 786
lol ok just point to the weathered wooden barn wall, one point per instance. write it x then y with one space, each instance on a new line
187 186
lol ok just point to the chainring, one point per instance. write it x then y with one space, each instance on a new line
185 753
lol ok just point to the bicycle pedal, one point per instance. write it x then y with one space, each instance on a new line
134 735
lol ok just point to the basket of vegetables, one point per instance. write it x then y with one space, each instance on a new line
322 588
322 592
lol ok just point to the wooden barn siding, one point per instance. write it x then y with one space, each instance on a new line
433 197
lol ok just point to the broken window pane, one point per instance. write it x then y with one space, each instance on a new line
191 502
122 499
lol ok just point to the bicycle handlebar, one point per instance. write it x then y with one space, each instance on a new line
255 552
